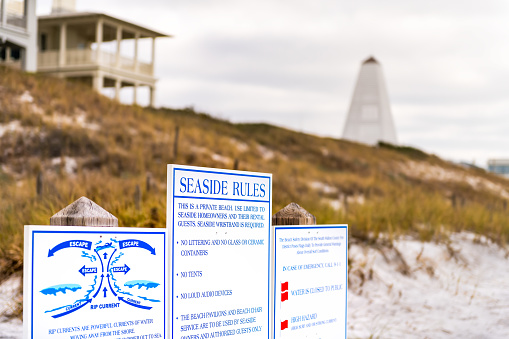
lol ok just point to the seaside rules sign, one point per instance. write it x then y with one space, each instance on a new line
310 281
219 232
95 282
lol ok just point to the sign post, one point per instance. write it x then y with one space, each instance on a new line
88 282
94 282
219 233
310 276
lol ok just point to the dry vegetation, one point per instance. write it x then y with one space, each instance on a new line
86 145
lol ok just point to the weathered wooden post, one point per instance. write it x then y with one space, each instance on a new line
176 143
38 184
137 197
84 212
293 214
148 183
345 203
453 200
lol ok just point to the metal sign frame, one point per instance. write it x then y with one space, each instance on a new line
113 257
280 296
221 189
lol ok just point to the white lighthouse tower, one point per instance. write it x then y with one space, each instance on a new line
369 118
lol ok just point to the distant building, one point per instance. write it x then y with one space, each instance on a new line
369 119
468 165
87 47
18 34
499 166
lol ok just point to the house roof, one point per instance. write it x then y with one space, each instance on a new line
57 17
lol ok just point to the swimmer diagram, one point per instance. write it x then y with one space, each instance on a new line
107 275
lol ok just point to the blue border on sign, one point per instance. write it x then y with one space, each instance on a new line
89 232
282 227
220 173
269 201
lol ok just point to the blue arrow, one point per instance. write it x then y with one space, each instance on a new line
87 270
105 255
109 283
108 267
73 310
105 290
135 305
99 289
102 266
137 243
70 243
124 269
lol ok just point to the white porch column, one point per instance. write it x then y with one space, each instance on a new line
152 96
63 45
136 64
7 54
153 58
98 81
31 47
135 94
3 19
117 89
23 57
119 43
99 38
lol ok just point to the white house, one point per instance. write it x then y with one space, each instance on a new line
18 34
78 46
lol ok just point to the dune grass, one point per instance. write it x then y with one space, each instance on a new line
112 148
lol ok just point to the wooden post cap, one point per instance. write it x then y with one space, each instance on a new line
293 214
84 212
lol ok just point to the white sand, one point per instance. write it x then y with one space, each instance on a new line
9 290
464 295
455 291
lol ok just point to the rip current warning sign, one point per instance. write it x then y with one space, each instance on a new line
95 282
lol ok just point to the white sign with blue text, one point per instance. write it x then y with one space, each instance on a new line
95 282
219 222
310 281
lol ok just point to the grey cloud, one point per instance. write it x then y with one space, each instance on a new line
295 62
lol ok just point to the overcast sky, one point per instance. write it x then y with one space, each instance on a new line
294 63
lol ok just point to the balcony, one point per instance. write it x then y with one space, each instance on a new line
15 16
49 60
16 64
17 21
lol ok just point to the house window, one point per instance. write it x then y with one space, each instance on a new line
44 42
15 53
16 13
